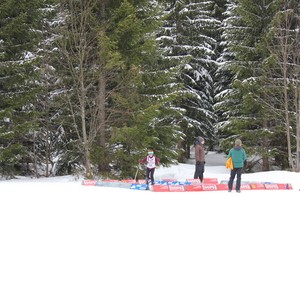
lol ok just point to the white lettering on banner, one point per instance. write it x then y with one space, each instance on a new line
176 188
89 182
209 187
245 187
271 186
194 181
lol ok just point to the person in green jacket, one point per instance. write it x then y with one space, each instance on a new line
239 157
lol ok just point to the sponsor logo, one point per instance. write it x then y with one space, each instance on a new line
174 188
271 186
210 187
89 182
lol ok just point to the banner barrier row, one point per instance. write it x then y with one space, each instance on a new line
220 187
189 185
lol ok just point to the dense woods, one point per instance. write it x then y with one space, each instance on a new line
86 86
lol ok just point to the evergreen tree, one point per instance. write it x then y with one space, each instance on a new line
223 76
247 115
141 107
187 41
51 153
19 36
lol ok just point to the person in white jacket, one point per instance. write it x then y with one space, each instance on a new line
151 162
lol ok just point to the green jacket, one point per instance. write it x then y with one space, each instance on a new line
238 155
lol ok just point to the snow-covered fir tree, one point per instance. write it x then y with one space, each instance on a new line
246 115
187 38
19 36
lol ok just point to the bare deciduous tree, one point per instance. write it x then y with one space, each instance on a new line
285 48
78 45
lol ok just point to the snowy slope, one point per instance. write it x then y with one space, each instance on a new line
61 240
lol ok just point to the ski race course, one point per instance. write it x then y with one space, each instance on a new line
174 181
66 238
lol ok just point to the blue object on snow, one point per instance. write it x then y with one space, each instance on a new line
139 187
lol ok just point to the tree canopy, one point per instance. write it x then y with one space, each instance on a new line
86 86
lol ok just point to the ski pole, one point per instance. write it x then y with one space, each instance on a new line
137 170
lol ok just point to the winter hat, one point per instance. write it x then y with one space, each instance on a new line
201 140
238 143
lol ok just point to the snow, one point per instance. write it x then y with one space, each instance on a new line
62 240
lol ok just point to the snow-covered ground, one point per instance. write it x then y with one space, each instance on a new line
61 240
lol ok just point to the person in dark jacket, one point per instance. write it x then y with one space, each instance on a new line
199 158
239 156
151 161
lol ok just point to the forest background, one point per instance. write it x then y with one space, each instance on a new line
87 85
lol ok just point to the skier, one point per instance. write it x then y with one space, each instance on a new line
239 157
151 161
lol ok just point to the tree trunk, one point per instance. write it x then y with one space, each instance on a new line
102 165
297 109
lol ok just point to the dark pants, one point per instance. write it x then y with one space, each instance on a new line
150 175
199 170
238 173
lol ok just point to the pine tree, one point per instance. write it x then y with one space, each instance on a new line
223 76
187 40
53 152
141 106
19 37
247 115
